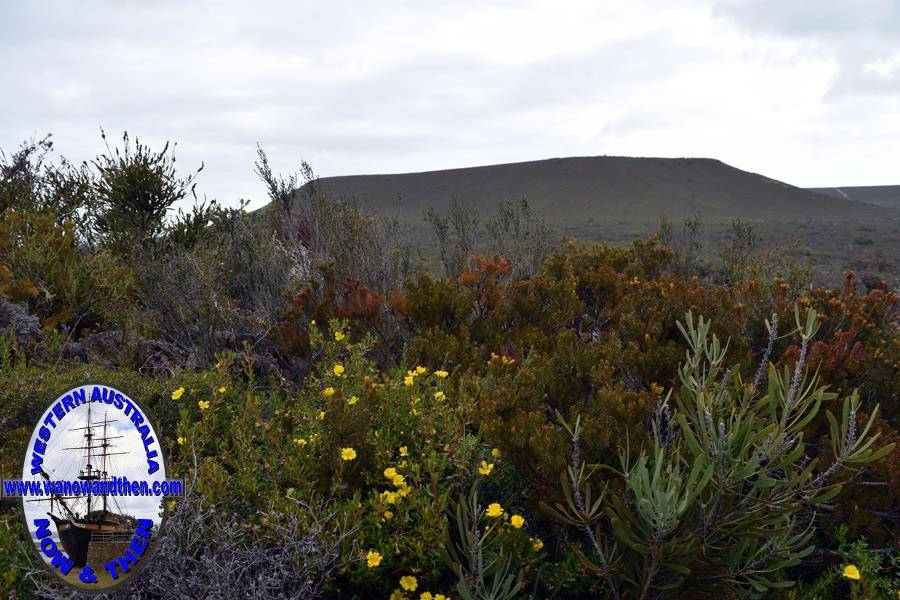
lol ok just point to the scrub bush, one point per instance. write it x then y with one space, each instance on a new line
352 428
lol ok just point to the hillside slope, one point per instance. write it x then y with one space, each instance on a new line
880 195
603 188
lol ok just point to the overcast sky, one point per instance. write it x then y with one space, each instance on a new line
803 91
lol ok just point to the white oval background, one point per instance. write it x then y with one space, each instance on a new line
64 465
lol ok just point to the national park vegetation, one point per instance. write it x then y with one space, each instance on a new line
500 413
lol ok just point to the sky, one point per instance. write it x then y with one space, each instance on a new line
807 92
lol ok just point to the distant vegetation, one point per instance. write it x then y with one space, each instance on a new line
518 415
613 199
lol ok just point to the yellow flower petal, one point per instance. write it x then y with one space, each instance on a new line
373 559
851 572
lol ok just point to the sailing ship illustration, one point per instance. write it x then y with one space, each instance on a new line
92 527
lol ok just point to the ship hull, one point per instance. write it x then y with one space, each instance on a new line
77 537
75 540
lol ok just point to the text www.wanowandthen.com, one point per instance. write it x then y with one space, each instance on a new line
115 486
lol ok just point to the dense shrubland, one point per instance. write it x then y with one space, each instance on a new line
539 420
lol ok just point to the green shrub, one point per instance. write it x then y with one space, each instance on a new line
724 498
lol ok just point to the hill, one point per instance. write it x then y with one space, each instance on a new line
617 199
616 187
879 195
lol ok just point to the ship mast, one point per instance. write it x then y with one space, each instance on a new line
105 446
89 473
88 434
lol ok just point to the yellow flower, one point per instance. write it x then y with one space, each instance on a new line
348 453
403 451
486 468
420 370
397 595
222 389
409 583
388 515
536 544
409 380
426 596
517 521
496 453
320 416
441 374
494 510
390 472
338 370
177 393
338 336
180 441
203 404
440 395
389 497
327 392
851 572
440 597
404 490
398 479
353 400
300 442
373 559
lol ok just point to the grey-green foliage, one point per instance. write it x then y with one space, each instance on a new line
517 234
457 235
727 495
687 246
484 570
226 290
514 233
320 228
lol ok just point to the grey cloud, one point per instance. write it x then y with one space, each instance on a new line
362 87
859 34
